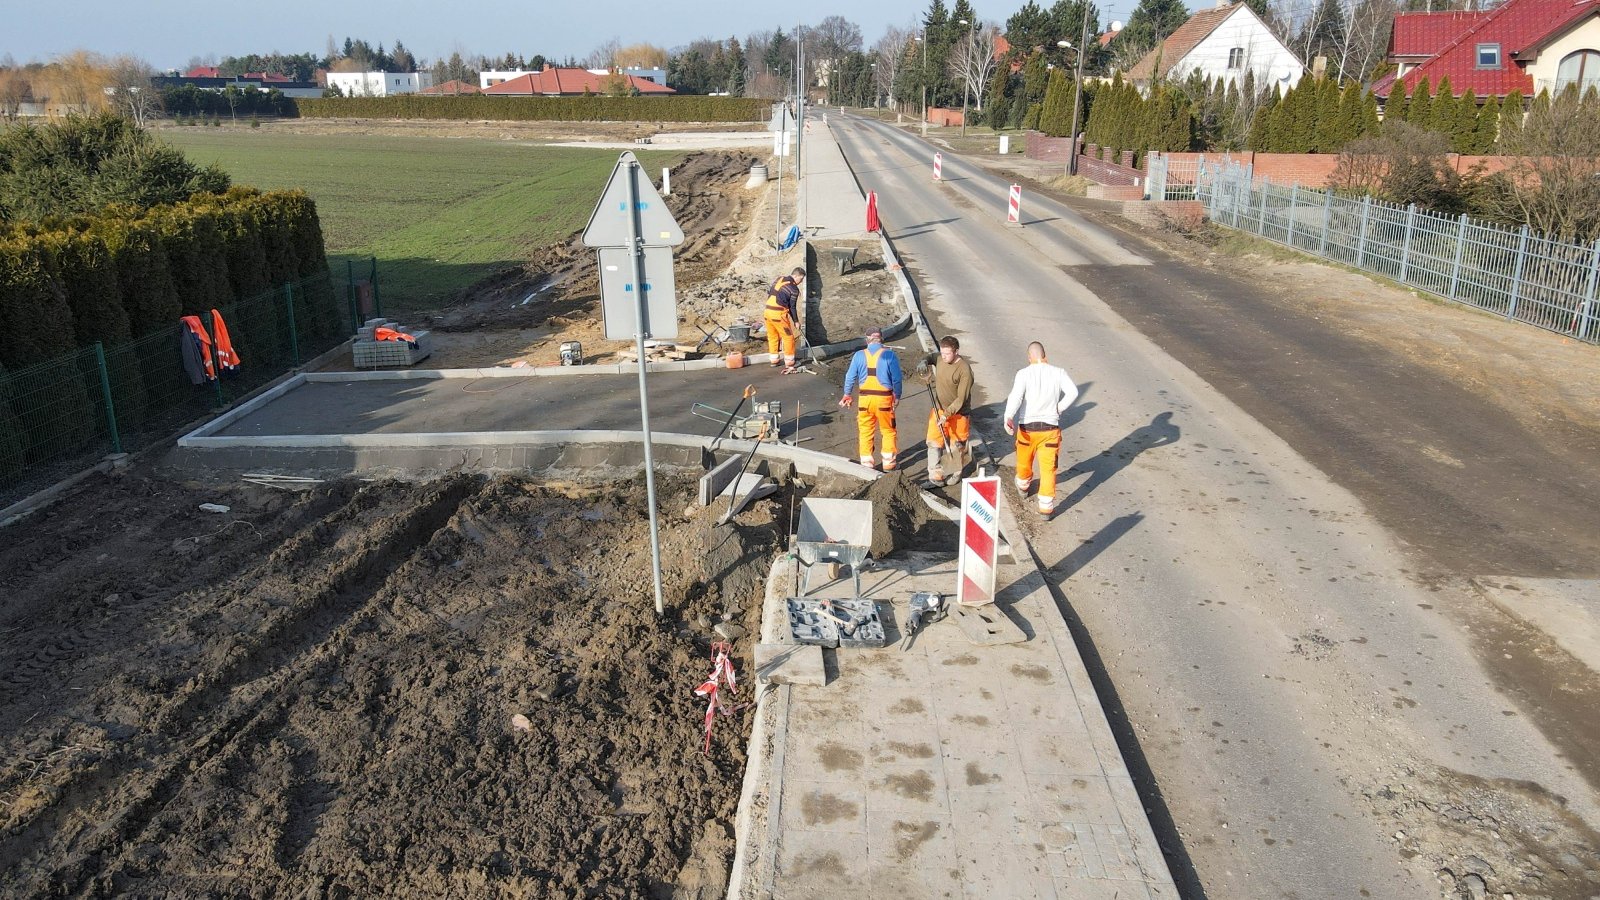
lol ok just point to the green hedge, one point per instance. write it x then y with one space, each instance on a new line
541 109
126 273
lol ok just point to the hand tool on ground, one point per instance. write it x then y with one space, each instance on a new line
925 609
848 625
733 501
694 409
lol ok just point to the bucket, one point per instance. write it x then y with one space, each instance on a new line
739 332
758 176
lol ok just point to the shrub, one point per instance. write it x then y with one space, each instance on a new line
540 109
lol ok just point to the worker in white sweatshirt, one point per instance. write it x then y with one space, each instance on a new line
1039 395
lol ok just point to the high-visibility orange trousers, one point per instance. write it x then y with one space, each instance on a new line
1046 443
957 427
876 418
780 336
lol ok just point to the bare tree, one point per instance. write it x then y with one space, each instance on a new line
833 37
1367 38
972 60
131 90
890 54
603 56
1551 185
81 79
15 88
640 56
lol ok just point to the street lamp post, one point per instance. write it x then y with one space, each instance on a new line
1077 92
965 78
923 77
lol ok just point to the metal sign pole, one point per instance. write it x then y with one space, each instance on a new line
636 245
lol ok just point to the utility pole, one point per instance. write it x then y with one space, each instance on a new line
966 77
924 79
1077 95
799 125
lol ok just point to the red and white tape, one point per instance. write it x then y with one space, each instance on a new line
711 688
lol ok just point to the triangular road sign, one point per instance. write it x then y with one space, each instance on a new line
608 226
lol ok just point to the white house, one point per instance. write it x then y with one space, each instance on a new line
1221 43
379 84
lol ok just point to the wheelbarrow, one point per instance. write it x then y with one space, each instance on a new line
836 533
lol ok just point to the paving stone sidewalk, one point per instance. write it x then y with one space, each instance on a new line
947 769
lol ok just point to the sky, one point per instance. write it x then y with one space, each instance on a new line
168 33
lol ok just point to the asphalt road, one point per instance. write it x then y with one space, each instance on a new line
1299 670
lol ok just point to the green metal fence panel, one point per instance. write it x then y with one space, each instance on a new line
62 416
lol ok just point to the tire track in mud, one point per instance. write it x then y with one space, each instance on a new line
210 714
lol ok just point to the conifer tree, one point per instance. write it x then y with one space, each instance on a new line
1327 131
1261 124
1368 123
1488 127
1464 131
1397 108
1351 100
1442 118
1511 113
1541 104
1420 112
1056 117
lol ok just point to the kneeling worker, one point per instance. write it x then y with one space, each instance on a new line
949 422
782 316
876 371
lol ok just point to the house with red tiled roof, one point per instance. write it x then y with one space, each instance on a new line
1222 43
562 82
451 88
1522 45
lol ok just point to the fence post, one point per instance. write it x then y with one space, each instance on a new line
377 300
1361 241
1294 197
1261 214
1461 243
1588 301
105 392
1405 244
350 294
216 361
1516 274
294 332
1327 221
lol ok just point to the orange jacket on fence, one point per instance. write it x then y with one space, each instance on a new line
225 352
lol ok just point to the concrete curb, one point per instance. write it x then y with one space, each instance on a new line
21 509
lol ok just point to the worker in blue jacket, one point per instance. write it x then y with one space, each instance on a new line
875 371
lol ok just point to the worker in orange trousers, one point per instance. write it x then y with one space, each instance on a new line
875 372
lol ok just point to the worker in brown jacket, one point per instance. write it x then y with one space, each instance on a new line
949 422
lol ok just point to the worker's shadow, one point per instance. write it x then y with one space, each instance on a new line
1159 433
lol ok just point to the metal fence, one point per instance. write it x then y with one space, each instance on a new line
61 416
1511 272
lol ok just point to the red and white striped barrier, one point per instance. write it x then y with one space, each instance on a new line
980 541
711 688
938 166
1014 208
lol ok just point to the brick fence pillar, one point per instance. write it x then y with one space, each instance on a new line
1127 158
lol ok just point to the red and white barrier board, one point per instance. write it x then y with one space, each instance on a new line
1014 208
980 541
938 166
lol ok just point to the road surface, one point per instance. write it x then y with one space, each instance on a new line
1303 682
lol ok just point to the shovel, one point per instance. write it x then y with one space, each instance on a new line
733 501
749 391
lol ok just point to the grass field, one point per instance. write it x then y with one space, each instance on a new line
438 213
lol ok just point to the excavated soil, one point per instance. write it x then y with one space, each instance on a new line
845 306
525 313
317 694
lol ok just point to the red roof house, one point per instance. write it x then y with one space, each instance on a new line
451 88
1521 45
554 82
203 72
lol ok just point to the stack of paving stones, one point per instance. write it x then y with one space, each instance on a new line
369 353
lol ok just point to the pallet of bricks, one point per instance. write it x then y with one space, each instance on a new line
370 353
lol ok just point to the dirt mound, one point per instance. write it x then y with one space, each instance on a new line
317 691
708 200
